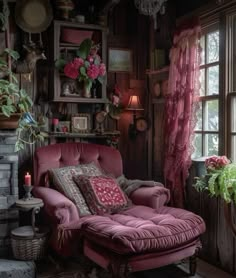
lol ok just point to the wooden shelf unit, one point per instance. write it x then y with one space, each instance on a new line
56 50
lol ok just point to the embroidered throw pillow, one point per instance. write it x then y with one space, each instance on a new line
102 194
62 179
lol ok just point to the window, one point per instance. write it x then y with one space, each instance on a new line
207 129
215 132
232 86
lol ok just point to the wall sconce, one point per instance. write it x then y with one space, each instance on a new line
134 105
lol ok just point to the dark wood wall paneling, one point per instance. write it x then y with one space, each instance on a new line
129 29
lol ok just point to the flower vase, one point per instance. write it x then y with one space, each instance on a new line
28 189
86 92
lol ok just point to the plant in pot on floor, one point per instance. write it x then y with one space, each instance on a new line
220 181
15 105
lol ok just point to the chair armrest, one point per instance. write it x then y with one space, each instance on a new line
58 207
153 197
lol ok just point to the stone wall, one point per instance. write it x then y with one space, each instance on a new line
8 189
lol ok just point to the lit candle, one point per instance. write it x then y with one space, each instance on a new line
55 121
28 179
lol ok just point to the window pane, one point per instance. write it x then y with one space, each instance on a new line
233 148
212 115
213 47
212 143
233 115
213 81
198 146
202 82
202 43
199 118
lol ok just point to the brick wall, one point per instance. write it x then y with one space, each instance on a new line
8 189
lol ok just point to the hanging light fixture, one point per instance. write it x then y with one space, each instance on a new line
150 7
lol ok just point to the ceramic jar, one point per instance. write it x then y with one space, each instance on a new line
64 6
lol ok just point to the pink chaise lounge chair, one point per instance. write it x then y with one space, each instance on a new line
147 235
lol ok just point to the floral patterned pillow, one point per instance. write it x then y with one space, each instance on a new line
62 179
102 194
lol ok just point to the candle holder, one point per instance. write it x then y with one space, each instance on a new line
28 189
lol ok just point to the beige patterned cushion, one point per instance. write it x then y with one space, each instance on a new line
62 179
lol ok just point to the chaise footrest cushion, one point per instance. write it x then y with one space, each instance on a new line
142 229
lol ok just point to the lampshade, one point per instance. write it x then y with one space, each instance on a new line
134 103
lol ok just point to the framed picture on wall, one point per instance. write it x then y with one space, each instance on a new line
80 123
120 60
64 126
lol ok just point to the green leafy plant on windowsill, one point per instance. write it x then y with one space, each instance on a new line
16 101
220 179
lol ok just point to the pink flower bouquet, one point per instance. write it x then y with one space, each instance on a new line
216 162
86 66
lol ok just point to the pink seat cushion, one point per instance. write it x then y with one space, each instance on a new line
142 229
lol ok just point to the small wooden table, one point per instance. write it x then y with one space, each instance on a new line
34 204
29 242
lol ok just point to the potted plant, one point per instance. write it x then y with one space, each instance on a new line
15 105
220 181
86 66
220 178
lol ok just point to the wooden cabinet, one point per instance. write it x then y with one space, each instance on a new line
66 39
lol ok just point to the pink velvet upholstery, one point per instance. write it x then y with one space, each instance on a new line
70 154
147 235
137 229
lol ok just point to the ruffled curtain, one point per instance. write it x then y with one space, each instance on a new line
181 106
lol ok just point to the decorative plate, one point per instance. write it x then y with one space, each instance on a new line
33 16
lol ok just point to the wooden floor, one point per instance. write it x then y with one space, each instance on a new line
181 270
206 270
75 269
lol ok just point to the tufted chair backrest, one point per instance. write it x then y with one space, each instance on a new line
71 154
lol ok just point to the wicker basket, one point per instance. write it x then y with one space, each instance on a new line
27 245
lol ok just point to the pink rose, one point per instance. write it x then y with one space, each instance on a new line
102 69
216 162
115 100
90 59
71 71
225 160
78 62
93 71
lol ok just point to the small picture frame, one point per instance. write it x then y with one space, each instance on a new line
80 123
63 126
120 60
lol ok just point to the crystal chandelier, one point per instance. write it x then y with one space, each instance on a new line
150 7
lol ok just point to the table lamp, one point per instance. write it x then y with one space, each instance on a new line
134 105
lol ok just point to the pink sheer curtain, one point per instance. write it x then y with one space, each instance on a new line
181 106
